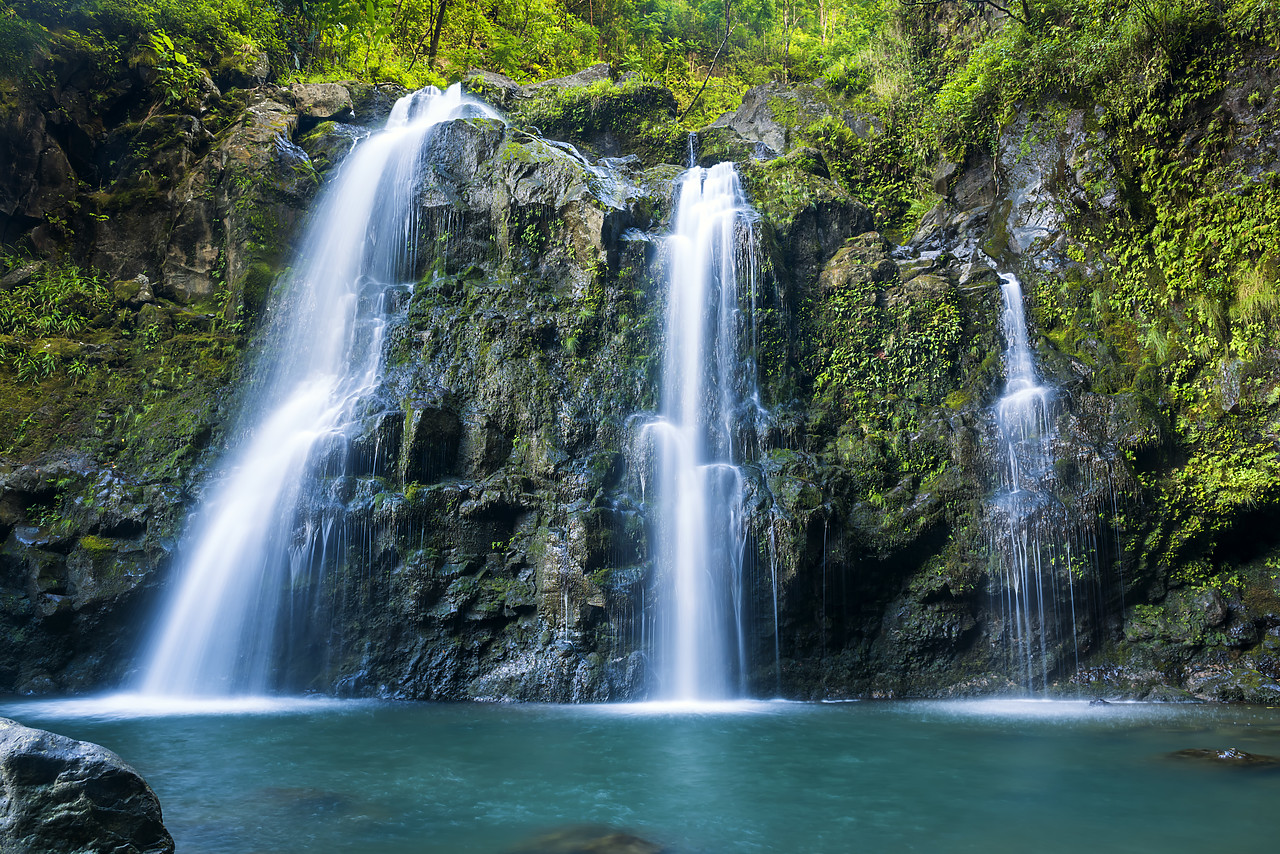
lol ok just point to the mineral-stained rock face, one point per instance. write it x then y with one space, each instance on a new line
61 796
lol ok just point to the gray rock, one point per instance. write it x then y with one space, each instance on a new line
373 104
942 175
498 89
597 73
770 111
61 795
20 275
251 189
755 120
322 100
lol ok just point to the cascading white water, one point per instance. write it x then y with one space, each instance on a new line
698 439
218 633
1025 416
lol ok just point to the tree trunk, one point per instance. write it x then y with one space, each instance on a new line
435 34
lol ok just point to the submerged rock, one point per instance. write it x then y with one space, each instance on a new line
1229 757
59 795
588 840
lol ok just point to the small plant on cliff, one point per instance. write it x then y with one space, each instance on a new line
177 76
59 301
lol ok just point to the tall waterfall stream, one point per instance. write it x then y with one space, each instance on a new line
221 632
703 433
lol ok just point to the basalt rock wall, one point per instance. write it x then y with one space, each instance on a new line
488 538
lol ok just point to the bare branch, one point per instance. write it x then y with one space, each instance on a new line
728 32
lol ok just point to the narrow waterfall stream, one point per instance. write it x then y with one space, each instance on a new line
700 439
220 631
1027 535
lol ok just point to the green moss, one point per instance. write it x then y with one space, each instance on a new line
255 286
718 144
97 546
638 115
781 189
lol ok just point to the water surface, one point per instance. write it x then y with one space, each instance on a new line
988 776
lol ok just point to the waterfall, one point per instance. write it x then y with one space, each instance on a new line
220 632
1031 530
704 431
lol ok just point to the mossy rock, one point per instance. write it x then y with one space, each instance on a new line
783 188
329 142
717 144
609 119
255 286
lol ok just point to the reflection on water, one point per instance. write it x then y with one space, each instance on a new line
983 776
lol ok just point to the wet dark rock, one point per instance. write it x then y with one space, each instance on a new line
36 177
372 103
1228 757
23 274
329 142
75 578
59 796
1237 682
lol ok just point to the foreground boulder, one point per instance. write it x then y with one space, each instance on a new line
61 795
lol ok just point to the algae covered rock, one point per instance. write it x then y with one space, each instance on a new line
61 796
251 191
329 142
607 119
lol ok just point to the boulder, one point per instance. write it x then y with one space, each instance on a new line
600 72
373 103
498 89
329 142
322 101
61 795
771 113
755 119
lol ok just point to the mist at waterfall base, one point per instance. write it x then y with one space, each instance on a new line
225 630
695 487
983 776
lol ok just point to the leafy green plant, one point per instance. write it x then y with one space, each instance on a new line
177 76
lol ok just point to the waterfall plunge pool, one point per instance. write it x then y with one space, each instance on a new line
984 776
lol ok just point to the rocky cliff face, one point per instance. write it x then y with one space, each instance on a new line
488 539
